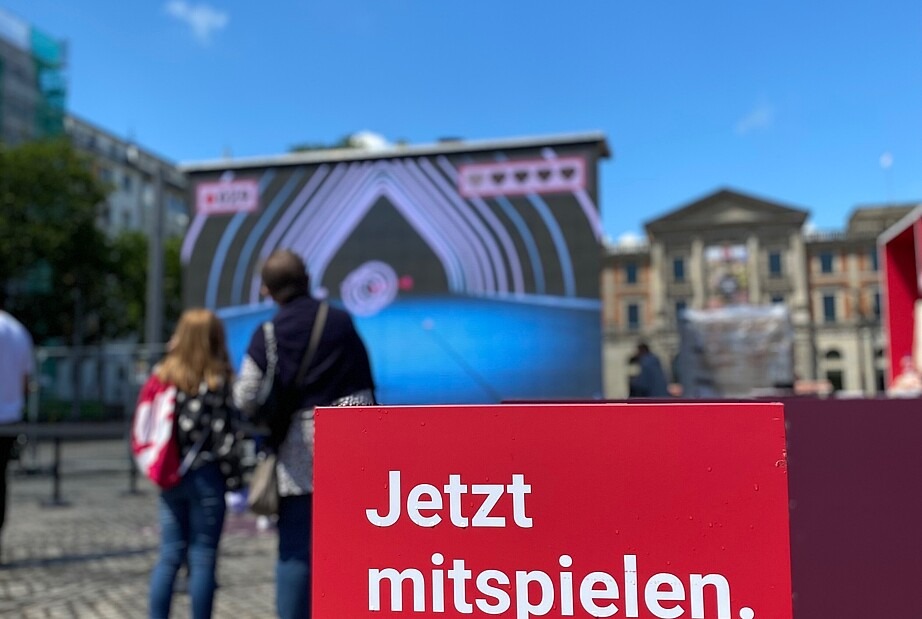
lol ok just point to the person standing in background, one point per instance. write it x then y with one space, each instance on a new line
16 368
340 375
650 381
191 511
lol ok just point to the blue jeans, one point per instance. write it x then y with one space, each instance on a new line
293 569
191 518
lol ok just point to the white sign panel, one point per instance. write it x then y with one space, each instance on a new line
218 198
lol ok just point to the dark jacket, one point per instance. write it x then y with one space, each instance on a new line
650 382
340 366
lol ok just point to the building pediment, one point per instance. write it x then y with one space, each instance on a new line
727 208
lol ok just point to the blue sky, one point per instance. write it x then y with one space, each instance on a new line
797 101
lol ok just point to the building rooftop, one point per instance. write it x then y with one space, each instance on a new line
444 147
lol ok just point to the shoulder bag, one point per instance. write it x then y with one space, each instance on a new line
263 495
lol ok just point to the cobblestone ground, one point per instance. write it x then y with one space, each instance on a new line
93 557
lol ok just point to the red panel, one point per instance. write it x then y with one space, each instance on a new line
900 295
687 493
855 507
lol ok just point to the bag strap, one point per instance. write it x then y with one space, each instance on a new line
278 434
316 333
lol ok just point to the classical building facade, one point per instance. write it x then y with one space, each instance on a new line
729 247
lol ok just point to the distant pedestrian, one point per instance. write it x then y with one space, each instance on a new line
192 506
16 366
340 375
650 381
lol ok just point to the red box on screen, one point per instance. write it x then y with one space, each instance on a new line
608 510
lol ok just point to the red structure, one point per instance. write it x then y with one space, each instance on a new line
853 476
900 250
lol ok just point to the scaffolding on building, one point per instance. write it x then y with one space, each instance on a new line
50 57
33 84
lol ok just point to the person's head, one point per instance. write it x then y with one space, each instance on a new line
197 352
284 276
642 349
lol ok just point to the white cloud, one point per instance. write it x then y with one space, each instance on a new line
203 19
759 118
886 160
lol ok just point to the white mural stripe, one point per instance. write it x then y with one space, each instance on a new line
585 202
487 214
495 255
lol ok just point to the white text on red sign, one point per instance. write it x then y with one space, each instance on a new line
428 498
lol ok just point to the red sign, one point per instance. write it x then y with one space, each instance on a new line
640 510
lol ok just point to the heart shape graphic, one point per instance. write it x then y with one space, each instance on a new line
521 176
568 173
544 174
475 179
499 177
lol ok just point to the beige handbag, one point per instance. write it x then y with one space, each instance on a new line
263 496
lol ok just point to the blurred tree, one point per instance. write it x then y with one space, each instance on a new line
172 283
344 142
60 268
127 284
53 258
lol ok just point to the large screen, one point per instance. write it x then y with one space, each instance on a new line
473 277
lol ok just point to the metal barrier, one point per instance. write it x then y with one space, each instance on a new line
82 394
89 383
85 394
58 433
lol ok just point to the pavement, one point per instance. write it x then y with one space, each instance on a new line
92 556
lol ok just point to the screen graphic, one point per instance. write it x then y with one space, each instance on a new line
461 295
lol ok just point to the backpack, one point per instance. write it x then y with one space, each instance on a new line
155 451
208 429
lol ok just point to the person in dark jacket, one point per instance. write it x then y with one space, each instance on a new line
650 381
339 375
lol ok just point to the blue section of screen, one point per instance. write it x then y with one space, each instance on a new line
461 350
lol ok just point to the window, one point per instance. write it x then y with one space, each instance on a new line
126 182
826 262
678 269
774 264
630 272
777 299
832 354
872 259
829 308
876 305
633 316
835 379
